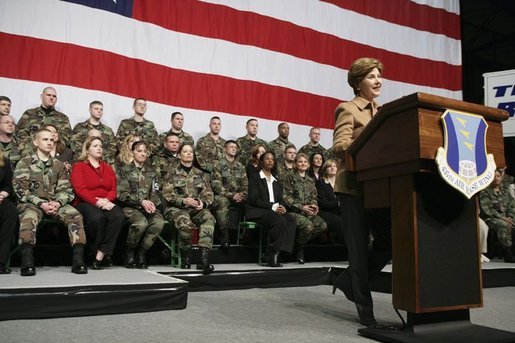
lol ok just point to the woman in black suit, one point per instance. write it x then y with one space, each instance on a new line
8 212
265 206
328 203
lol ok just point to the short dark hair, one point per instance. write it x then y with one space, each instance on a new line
174 114
215 117
4 98
281 124
96 102
171 133
136 100
251 119
230 141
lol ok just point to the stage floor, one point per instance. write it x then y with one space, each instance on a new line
56 292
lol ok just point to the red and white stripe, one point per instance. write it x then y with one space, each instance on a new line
277 60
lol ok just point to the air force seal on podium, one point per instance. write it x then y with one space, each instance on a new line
463 161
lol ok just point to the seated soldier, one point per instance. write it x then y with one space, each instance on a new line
136 193
44 190
8 143
300 196
188 196
229 182
498 211
285 167
61 151
166 157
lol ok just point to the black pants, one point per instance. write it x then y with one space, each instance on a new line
281 229
8 226
365 264
102 227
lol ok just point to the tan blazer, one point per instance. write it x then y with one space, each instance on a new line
351 118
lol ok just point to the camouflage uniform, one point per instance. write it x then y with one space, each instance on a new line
12 151
309 150
80 133
277 146
184 138
133 186
162 162
283 173
300 191
208 152
35 118
245 145
179 185
227 179
494 207
36 182
144 129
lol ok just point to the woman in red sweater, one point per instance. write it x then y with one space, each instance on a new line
94 183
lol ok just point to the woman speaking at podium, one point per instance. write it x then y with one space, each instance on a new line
351 118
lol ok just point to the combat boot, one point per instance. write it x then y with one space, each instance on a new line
27 261
300 254
141 259
224 242
186 259
78 266
204 265
130 260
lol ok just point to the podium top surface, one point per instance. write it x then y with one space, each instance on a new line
424 101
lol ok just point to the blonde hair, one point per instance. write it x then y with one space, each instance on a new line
125 155
359 70
86 145
325 166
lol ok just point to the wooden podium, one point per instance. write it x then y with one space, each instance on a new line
436 271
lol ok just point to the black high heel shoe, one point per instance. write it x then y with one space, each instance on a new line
344 283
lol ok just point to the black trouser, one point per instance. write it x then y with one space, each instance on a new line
356 240
102 227
8 227
365 264
281 229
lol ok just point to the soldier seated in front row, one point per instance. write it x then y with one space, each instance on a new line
188 195
44 190
229 182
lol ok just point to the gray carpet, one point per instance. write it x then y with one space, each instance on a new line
296 315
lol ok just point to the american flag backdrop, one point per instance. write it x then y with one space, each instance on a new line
276 60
